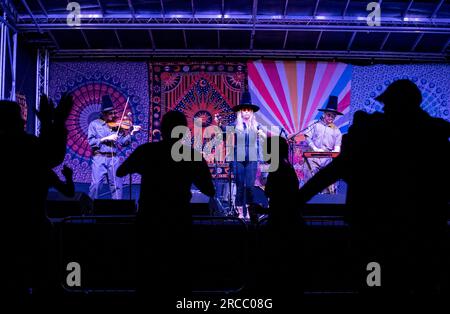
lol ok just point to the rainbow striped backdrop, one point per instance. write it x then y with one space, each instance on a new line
290 93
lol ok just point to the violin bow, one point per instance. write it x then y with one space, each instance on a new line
117 133
123 114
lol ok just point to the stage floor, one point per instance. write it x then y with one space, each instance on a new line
198 197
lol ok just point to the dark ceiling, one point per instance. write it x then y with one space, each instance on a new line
410 30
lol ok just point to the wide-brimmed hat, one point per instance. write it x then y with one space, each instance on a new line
107 104
246 102
332 105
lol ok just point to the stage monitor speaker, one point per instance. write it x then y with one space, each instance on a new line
60 206
114 207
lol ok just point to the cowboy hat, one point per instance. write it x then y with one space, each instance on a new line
246 102
332 105
107 104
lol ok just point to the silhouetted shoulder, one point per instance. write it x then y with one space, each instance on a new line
442 126
362 117
364 122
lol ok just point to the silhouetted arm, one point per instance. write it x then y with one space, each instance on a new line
337 168
45 114
57 138
133 164
325 177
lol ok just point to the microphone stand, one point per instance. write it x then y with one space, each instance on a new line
291 140
231 209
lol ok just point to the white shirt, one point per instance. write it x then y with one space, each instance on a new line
323 137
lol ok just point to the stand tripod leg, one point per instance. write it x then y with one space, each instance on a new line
231 203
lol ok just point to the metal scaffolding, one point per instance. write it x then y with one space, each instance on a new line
42 65
236 22
2 60
251 21
8 51
214 53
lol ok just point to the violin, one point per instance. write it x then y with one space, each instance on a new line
125 125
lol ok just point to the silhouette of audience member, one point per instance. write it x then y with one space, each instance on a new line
21 173
285 224
164 218
52 141
53 138
282 187
25 228
397 195
53 132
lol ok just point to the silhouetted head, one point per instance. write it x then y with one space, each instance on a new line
402 96
271 146
12 118
171 120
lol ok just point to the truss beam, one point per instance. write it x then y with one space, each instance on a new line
42 66
330 54
258 25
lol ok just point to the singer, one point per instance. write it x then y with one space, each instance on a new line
247 152
324 136
103 138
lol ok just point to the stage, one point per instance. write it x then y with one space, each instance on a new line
181 151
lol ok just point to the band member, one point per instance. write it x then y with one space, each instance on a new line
104 138
324 136
247 152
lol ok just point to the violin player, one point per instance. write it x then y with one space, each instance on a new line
104 136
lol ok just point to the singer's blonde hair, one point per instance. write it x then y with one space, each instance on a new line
252 125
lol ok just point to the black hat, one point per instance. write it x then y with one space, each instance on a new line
107 104
401 91
332 105
246 102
